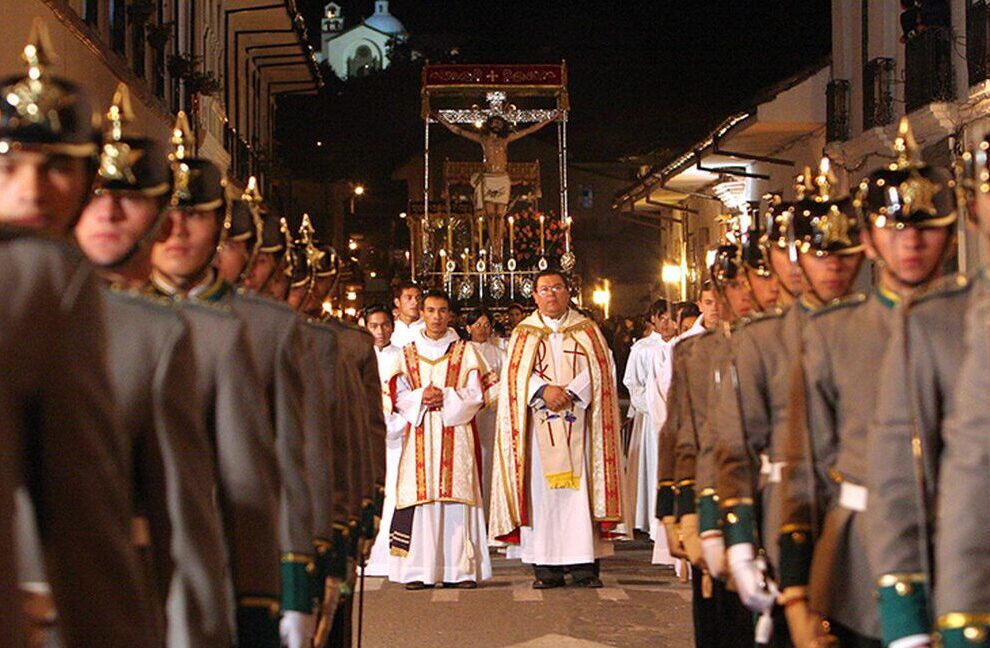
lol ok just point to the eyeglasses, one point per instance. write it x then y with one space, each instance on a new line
546 290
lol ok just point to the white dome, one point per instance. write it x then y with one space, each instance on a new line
383 21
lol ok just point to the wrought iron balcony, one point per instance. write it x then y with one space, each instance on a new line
837 104
878 93
929 72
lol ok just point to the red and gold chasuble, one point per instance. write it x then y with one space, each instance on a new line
441 463
560 437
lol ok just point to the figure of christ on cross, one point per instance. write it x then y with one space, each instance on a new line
493 187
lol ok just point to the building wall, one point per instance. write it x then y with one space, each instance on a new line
338 51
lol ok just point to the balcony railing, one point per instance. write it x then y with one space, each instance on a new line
878 93
929 72
977 42
837 105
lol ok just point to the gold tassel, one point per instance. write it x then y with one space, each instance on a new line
564 480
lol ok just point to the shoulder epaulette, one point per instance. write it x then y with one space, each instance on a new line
855 299
944 287
771 313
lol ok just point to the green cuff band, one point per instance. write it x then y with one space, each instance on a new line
708 513
904 611
795 558
685 501
665 502
297 584
738 525
257 626
969 637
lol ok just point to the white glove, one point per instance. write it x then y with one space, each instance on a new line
713 549
297 629
691 540
750 580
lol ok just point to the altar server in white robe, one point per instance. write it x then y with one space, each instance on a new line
484 341
408 322
648 373
438 529
557 480
378 321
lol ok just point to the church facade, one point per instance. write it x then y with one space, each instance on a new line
362 48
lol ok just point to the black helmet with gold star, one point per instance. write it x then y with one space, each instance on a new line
129 164
777 217
41 111
823 222
907 193
197 183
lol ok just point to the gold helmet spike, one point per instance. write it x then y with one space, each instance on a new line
117 159
307 237
119 114
288 256
183 142
824 182
905 146
38 53
251 193
803 185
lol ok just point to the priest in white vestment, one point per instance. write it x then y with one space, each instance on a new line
438 529
648 374
378 321
557 480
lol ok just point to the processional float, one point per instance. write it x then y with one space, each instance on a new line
482 235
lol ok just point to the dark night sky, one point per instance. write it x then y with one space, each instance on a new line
644 75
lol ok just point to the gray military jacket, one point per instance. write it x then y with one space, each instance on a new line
239 425
318 378
63 417
916 396
153 370
752 416
274 331
842 349
677 402
963 538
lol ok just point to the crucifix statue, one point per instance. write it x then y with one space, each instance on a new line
492 187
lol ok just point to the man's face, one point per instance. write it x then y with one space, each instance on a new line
278 287
380 327
738 299
831 276
436 314
766 290
111 225
911 255
190 245
788 274
709 308
481 330
42 192
687 323
262 269
515 316
296 296
551 295
408 304
231 259
664 325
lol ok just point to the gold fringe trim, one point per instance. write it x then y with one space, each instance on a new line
564 480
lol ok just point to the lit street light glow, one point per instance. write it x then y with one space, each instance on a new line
358 190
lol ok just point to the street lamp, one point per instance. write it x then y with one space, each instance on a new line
358 190
352 245
602 297
670 273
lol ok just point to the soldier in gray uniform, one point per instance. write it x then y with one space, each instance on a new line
152 365
751 417
184 267
843 346
238 423
313 271
723 619
917 416
57 394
